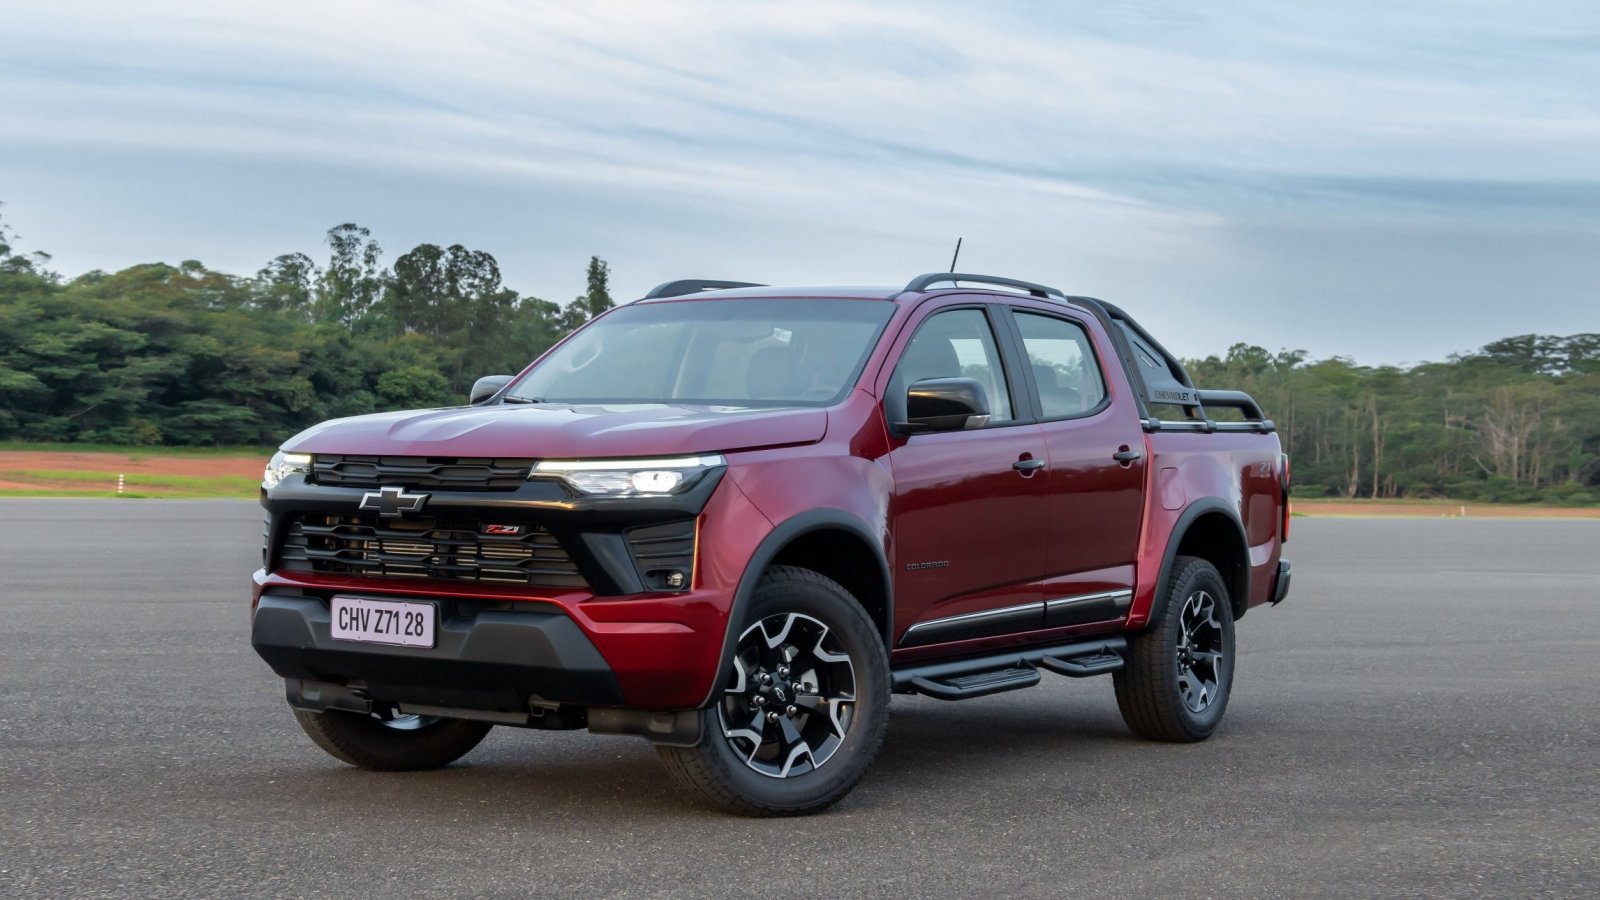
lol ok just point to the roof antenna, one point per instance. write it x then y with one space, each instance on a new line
955 256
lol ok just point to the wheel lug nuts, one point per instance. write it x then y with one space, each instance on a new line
783 671
758 700
765 678
772 717
798 687
790 710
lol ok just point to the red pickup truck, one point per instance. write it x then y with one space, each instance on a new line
734 519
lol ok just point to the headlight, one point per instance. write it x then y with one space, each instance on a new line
282 465
629 477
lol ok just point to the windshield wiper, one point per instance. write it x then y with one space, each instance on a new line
514 399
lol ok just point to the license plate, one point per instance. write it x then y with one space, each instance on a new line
382 622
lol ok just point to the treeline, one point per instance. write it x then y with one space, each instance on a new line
159 354
1518 420
186 355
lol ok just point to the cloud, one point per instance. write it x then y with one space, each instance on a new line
822 141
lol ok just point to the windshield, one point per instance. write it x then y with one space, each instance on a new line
727 353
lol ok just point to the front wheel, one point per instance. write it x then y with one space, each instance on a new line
1179 671
390 742
802 709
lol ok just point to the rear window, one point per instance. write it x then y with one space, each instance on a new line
714 352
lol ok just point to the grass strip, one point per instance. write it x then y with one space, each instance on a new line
138 452
235 484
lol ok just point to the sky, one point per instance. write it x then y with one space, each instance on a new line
1388 181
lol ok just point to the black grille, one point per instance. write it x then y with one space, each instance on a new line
464 474
358 544
661 551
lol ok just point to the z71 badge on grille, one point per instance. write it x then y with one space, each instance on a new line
392 502
502 529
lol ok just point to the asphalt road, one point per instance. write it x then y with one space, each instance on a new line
1421 718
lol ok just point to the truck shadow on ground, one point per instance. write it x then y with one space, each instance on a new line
964 749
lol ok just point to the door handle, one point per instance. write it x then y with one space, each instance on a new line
1126 455
1028 465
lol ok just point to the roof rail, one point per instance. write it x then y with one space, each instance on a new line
694 286
922 282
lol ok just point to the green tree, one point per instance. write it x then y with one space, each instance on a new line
288 286
353 281
595 300
453 297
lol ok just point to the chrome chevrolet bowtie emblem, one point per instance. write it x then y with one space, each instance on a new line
392 502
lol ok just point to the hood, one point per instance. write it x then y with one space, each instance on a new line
559 431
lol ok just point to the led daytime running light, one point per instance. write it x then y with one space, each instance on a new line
282 465
628 477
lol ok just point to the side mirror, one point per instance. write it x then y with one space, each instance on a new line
487 387
945 404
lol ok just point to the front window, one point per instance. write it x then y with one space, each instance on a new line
956 343
713 352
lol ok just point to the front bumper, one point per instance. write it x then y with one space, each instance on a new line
499 660
609 645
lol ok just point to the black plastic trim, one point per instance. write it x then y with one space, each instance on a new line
588 528
1019 376
680 728
493 661
1239 585
768 550
694 286
1280 587
1209 426
1235 399
923 282
983 623
1087 608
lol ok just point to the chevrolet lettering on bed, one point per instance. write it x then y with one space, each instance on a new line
735 519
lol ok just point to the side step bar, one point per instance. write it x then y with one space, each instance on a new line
984 675
978 684
1083 666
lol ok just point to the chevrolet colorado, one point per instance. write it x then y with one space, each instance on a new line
734 519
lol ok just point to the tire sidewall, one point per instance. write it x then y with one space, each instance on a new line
362 740
1198 576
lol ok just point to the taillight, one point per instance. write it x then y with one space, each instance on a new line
1287 482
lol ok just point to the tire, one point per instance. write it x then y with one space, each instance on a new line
1179 671
393 743
822 738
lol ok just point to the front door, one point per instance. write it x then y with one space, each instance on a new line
969 513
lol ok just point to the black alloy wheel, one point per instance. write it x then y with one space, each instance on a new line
802 708
792 697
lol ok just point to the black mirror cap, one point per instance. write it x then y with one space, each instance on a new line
487 387
946 404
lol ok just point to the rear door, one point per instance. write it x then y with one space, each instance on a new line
969 511
1094 487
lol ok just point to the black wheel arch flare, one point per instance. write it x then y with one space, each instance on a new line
786 533
1238 579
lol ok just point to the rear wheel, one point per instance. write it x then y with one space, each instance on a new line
802 709
390 742
1179 672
